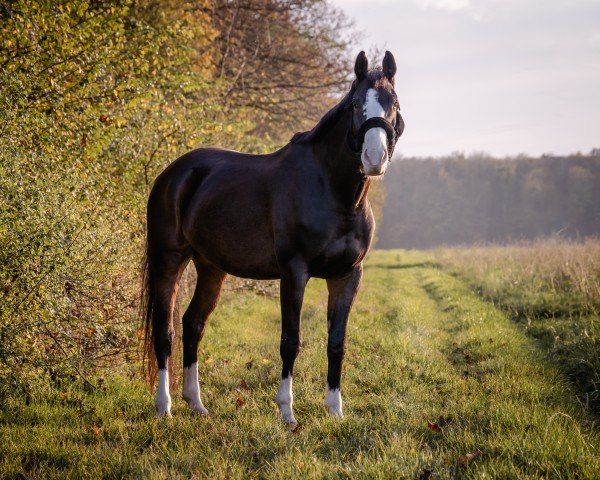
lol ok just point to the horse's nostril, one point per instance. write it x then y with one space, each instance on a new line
369 158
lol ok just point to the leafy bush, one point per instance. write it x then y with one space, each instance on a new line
95 99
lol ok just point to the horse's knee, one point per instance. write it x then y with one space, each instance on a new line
290 346
336 350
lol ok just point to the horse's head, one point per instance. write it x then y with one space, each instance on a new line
376 121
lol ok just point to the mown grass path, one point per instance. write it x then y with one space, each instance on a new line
421 348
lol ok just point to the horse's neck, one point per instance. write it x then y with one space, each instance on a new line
345 178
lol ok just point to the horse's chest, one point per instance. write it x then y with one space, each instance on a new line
344 249
340 253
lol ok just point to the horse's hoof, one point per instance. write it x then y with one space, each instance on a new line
335 413
195 405
289 421
163 407
333 402
198 410
287 414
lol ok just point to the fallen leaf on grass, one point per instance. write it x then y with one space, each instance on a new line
239 401
434 427
464 460
443 421
243 385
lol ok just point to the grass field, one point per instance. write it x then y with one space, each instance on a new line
552 289
439 383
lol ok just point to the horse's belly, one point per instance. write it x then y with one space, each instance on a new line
235 237
237 253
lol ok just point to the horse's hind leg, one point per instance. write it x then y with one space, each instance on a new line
204 301
166 269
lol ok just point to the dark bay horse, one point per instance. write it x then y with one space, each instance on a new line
297 213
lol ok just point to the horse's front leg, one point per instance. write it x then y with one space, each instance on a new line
342 292
294 277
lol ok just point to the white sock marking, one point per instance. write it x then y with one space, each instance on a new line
163 398
333 402
284 399
191 389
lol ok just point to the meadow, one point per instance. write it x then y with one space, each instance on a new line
551 288
462 362
440 382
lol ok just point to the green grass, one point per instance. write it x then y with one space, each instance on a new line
422 348
551 288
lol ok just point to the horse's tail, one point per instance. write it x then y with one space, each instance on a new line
150 326
147 309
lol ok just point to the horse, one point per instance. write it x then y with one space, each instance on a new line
297 213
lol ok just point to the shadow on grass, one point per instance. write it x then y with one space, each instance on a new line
566 341
561 333
402 266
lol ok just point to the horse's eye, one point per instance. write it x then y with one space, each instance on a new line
355 104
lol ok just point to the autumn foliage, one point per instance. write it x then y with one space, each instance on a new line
95 99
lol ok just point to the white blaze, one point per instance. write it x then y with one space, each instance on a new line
374 152
163 398
284 399
191 389
372 107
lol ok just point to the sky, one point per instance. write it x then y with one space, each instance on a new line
501 76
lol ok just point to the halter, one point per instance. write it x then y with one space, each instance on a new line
355 141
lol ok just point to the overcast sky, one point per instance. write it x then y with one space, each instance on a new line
502 76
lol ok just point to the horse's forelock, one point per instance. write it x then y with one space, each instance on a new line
377 79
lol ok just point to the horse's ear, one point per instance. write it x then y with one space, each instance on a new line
389 66
361 66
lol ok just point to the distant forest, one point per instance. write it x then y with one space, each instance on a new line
479 199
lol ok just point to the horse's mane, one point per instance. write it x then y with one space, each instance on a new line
329 120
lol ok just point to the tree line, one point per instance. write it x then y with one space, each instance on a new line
479 199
